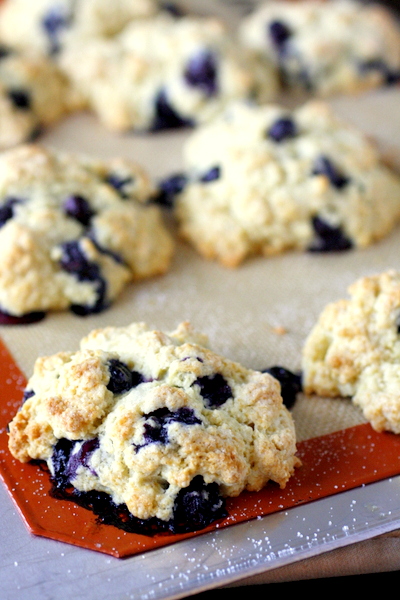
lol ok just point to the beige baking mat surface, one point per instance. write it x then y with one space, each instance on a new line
258 314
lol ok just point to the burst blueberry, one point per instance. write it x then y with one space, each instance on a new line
328 237
156 424
7 210
165 116
214 389
202 72
169 188
197 506
291 384
20 98
212 175
325 166
78 208
122 378
53 23
282 129
279 33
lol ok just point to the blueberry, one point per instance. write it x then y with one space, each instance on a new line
78 208
166 117
329 238
173 9
53 23
122 379
119 183
170 187
214 389
156 424
279 33
80 455
324 166
7 210
291 384
197 506
212 175
75 262
4 51
201 72
26 319
59 462
20 98
27 394
398 323
282 129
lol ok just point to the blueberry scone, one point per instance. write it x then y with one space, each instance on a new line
339 46
73 232
354 350
164 72
33 95
153 430
46 25
263 179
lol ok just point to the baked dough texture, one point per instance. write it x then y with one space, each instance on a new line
265 179
339 46
47 25
165 72
158 411
74 231
354 350
34 94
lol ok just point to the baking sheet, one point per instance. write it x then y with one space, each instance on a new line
258 315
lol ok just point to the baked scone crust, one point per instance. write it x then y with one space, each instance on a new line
239 438
354 350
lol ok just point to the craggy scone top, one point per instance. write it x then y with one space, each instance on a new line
354 350
74 231
266 179
148 413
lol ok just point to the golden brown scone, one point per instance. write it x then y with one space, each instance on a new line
354 350
74 231
148 417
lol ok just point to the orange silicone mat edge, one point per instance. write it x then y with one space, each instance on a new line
331 464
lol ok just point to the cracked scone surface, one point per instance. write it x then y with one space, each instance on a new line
34 94
354 350
47 25
145 415
340 46
263 180
164 72
74 231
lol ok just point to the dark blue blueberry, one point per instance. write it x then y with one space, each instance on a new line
202 72
324 166
27 394
20 98
53 23
291 384
26 319
328 238
122 379
78 208
80 455
119 183
279 33
173 9
166 117
197 506
156 424
282 129
4 51
398 323
211 175
170 187
76 263
214 389
7 210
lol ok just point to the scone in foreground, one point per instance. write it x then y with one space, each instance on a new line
354 350
157 423
266 179
74 231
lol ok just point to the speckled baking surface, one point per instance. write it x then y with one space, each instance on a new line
259 315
